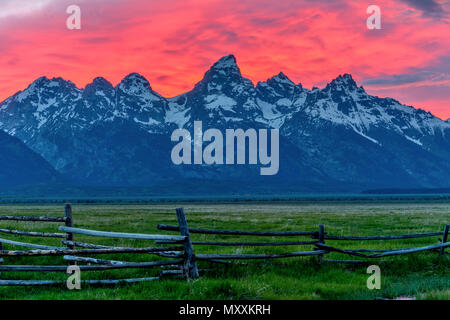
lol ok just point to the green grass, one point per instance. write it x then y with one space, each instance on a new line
421 275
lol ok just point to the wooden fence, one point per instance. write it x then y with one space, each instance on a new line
319 247
179 249
181 255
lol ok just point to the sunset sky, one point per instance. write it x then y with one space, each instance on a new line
173 42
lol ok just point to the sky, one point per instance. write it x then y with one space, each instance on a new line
173 43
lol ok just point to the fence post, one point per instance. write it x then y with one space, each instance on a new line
321 239
190 266
1 259
69 223
444 237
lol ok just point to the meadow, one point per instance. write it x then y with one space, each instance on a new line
418 276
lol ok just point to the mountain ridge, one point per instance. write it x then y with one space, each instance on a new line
20 166
120 135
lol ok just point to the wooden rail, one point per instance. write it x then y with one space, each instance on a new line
62 252
94 260
320 249
384 254
121 235
63 282
60 268
405 236
242 244
33 218
182 256
258 256
85 245
33 234
237 232
28 245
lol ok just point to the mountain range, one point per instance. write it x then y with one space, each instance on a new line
336 138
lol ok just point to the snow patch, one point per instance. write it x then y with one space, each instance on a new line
414 140
215 101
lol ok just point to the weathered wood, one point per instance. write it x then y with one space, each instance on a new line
215 261
384 254
93 260
63 282
169 254
405 236
62 252
346 261
171 272
191 270
33 218
69 223
237 232
250 244
33 234
412 250
106 234
258 256
321 239
86 245
444 238
28 245
61 268
375 250
173 267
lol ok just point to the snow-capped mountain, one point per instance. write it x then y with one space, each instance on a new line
335 136
357 137
279 98
223 98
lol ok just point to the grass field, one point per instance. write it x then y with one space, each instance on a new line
421 275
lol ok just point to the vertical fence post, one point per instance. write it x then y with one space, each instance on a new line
190 266
444 237
69 223
1 259
321 239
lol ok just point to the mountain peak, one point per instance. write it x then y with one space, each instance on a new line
134 82
225 70
49 84
41 80
345 80
282 78
134 76
226 62
100 82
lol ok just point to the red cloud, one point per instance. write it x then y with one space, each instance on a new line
173 42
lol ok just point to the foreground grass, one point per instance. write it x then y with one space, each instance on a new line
422 275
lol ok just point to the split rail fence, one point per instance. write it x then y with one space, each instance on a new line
179 249
319 247
180 255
